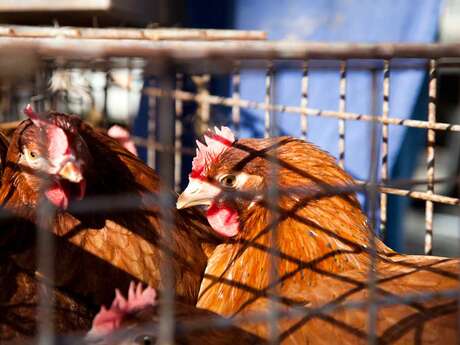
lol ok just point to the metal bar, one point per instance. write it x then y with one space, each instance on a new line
342 109
430 158
384 149
271 130
151 129
45 244
421 196
304 102
166 135
105 111
128 87
372 194
132 34
204 109
268 100
247 104
45 272
236 80
90 49
179 110
130 201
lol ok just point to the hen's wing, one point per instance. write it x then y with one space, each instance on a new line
19 301
336 308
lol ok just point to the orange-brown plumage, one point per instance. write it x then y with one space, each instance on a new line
99 250
322 251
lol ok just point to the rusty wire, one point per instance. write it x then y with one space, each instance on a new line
342 109
430 157
249 104
384 149
165 147
304 101
178 110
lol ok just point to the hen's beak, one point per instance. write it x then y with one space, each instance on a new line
197 193
71 172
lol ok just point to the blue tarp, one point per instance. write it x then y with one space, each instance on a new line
344 21
340 21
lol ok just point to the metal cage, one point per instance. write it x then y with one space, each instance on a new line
172 56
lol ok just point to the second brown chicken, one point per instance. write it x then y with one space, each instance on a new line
312 228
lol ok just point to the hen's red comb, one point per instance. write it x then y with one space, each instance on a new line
29 111
108 320
216 143
36 118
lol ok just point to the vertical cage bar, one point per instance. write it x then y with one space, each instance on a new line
271 130
430 157
151 130
236 80
129 87
204 108
384 167
304 102
179 109
45 271
6 99
268 99
372 195
105 110
166 137
342 109
45 244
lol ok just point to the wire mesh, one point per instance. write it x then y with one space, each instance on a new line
167 101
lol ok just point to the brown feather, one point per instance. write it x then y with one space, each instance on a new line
322 257
18 300
97 252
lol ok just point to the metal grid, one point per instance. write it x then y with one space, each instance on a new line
171 61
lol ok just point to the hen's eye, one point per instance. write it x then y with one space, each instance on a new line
31 155
145 340
228 180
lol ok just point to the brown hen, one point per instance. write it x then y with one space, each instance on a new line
101 245
322 255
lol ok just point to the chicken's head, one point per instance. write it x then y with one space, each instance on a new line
234 179
54 156
222 172
121 313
